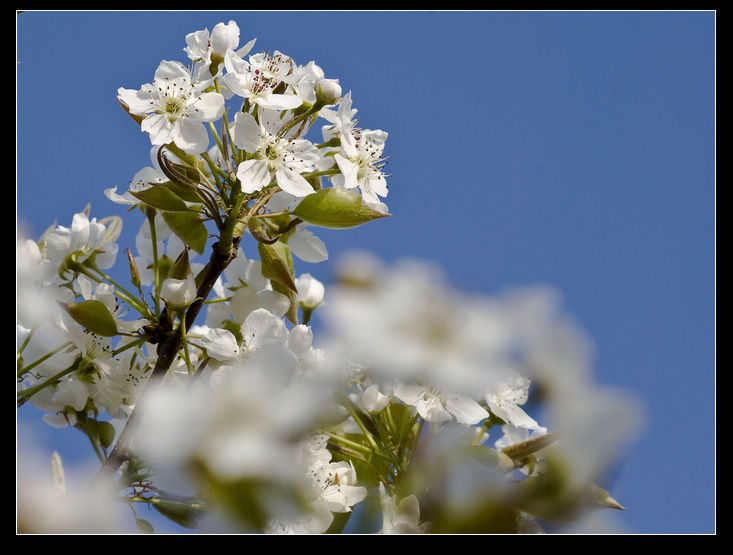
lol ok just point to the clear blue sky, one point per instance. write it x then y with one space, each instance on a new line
572 149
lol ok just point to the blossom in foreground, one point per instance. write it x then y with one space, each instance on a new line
437 407
333 489
399 517
54 500
175 108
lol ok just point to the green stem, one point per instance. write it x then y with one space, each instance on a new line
130 345
354 445
35 363
125 294
156 272
26 394
187 357
332 171
27 339
369 437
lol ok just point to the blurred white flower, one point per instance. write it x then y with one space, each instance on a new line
399 517
52 500
437 406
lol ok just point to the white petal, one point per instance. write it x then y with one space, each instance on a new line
279 101
224 36
191 136
207 107
254 175
433 410
292 182
465 409
138 102
159 128
349 170
261 327
409 393
307 246
170 70
246 132
220 344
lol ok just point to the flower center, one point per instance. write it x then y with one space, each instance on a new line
173 97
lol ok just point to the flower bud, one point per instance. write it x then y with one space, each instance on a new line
310 291
328 91
179 293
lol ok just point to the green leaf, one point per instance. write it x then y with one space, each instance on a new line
277 264
189 194
162 198
143 526
94 316
601 497
185 514
525 448
339 523
189 227
335 208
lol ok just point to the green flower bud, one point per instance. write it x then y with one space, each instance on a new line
328 91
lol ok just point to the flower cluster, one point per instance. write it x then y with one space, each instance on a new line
202 386
279 101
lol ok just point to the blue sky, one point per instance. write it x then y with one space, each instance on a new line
573 149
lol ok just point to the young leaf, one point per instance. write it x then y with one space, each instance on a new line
94 316
335 208
277 264
162 198
189 227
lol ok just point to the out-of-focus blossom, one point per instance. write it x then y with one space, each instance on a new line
54 500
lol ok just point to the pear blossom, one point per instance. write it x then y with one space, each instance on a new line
258 79
207 50
333 487
85 238
504 399
341 120
438 407
175 108
304 79
118 382
399 517
371 399
360 162
275 158
260 330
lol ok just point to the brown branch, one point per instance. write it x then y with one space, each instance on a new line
167 351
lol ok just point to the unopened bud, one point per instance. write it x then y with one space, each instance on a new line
178 293
310 291
328 91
